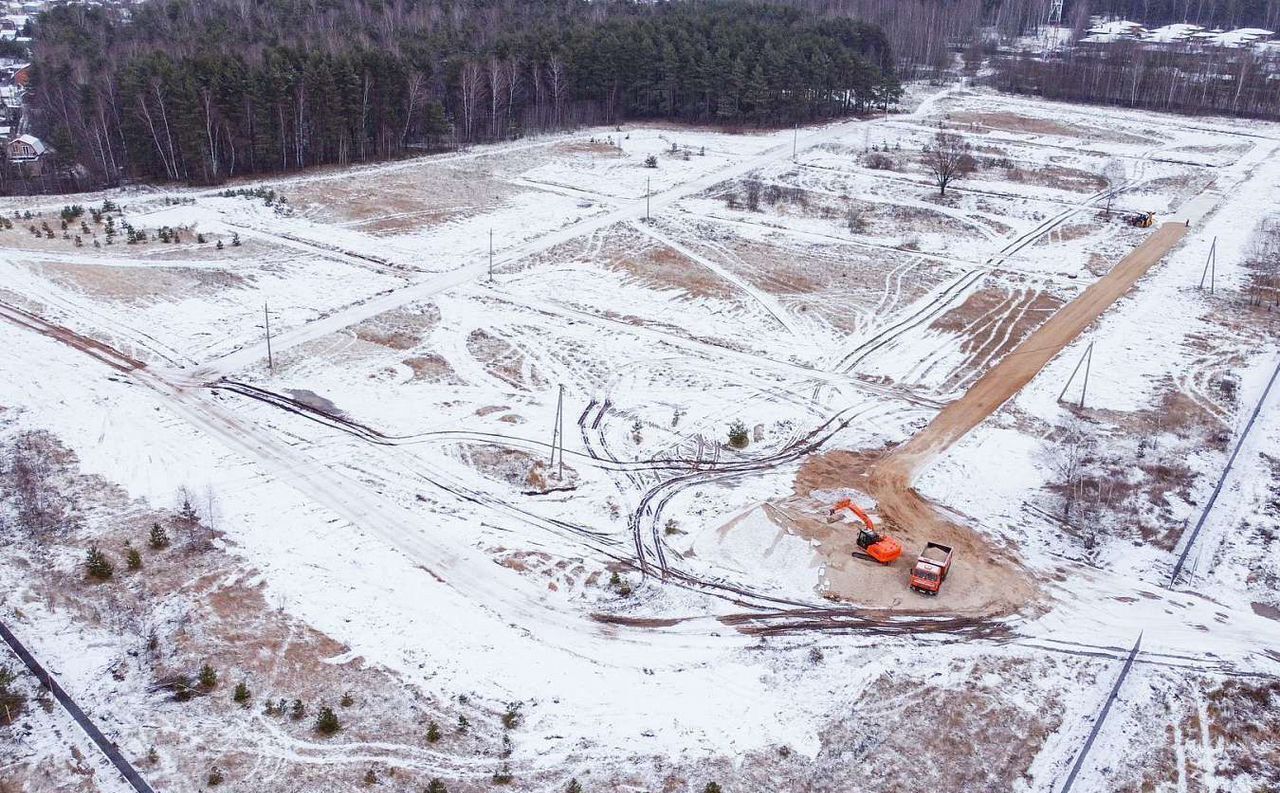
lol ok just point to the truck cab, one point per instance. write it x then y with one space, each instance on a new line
931 568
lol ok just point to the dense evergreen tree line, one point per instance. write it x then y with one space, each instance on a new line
199 90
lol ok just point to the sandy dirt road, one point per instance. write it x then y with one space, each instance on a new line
985 580
1026 360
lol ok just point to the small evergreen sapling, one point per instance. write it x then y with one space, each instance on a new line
574 787
327 721
437 786
242 694
433 732
738 437
159 539
132 559
97 565
503 775
511 719
208 677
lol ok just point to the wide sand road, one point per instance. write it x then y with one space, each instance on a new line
985 581
1018 367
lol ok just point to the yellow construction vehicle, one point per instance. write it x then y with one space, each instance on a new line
1142 220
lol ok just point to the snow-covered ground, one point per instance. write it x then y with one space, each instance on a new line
382 470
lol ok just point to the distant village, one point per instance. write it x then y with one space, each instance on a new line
1107 31
20 147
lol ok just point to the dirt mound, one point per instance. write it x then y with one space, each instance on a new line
984 580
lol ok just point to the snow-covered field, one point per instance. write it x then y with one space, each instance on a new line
382 510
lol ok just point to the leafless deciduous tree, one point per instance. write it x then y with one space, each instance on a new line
947 158
1262 257
1069 456
1114 173
42 508
470 87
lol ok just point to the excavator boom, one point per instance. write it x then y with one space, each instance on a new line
880 547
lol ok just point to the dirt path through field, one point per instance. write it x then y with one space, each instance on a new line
1018 367
984 580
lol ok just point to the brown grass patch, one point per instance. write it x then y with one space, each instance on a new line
596 148
516 467
432 368
502 359
399 201
194 603
1012 122
660 267
1057 177
139 285
401 329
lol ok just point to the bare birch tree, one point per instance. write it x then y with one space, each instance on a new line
947 158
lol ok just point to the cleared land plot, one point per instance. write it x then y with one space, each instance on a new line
728 371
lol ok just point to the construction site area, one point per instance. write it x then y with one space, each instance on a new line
654 456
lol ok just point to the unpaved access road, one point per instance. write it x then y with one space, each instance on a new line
985 581
1027 359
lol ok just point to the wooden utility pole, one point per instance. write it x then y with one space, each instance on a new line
266 319
1086 360
1088 364
1211 266
490 255
795 141
557 432
560 422
646 199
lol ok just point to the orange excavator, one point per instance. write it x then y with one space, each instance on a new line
874 545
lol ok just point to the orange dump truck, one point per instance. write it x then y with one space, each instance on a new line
931 568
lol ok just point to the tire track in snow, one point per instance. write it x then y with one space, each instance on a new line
771 306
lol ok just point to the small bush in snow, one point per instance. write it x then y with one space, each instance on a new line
97 565
327 721
511 719
159 539
738 437
11 702
208 677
